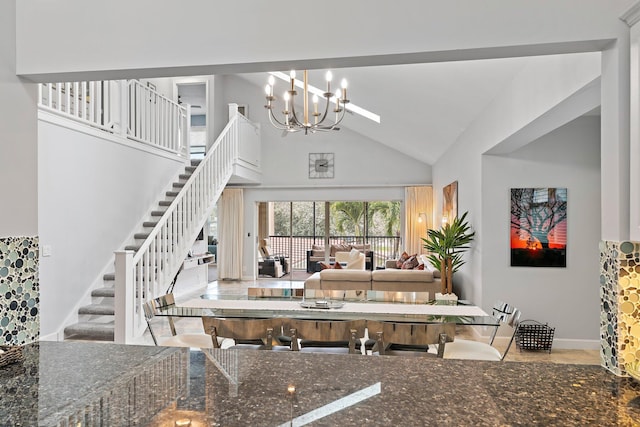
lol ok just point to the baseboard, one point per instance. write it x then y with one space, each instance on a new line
558 343
50 337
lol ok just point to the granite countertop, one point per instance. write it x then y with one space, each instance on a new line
133 385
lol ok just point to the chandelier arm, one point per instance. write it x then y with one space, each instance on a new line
337 122
326 111
275 122
294 117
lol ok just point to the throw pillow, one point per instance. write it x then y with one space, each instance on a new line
402 259
411 263
354 254
336 266
419 267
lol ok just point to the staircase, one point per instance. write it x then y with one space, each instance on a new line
145 269
96 320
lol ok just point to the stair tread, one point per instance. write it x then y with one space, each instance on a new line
149 224
172 193
103 292
109 276
90 331
184 176
97 309
178 184
165 203
141 235
132 248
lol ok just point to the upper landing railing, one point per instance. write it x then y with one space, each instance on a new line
123 107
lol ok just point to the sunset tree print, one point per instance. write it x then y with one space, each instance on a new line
538 227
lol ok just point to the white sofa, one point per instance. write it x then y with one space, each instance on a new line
388 280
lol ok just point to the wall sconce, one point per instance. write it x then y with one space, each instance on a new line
422 217
444 220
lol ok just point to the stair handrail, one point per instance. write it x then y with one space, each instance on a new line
147 273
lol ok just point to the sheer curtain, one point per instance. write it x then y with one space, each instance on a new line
230 218
418 202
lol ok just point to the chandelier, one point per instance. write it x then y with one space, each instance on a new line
292 121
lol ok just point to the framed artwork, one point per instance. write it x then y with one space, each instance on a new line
449 202
538 235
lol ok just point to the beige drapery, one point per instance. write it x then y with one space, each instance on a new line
263 221
230 233
417 201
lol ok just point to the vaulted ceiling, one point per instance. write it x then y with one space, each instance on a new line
424 107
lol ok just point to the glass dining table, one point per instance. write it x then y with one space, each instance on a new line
330 310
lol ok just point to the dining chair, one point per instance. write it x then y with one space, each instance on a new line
501 311
196 340
476 350
258 334
413 335
326 336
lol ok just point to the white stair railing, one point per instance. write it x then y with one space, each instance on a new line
126 108
147 273
157 120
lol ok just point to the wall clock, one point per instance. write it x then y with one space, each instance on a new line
321 165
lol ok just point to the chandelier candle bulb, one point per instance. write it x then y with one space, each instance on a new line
286 104
328 77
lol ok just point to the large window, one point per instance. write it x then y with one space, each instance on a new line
295 226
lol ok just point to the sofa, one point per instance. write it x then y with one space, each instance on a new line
317 255
387 280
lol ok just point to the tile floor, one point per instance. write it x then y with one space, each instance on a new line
224 289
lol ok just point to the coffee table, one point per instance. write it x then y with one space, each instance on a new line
277 290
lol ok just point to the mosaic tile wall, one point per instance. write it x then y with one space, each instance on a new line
620 304
19 290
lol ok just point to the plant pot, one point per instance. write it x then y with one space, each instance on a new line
446 299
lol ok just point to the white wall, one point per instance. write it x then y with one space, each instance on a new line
92 194
529 99
18 133
252 33
568 298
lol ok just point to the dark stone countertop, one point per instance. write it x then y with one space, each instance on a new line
133 384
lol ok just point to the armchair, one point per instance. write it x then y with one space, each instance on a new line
271 260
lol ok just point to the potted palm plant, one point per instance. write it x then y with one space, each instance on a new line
446 246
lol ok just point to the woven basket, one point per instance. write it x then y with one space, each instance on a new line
533 335
11 354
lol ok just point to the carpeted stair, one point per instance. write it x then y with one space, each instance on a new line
95 321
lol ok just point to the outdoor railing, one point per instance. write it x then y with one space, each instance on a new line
383 247
122 107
